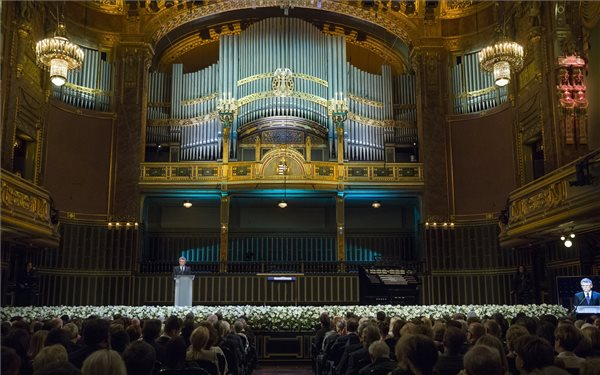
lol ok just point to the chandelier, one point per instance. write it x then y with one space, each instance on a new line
58 55
500 58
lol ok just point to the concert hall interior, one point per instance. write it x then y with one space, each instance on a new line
396 152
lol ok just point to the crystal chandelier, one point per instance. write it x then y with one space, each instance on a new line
58 55
500 58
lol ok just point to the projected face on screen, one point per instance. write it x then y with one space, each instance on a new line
586 285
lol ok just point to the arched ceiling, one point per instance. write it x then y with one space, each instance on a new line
377 31
191 35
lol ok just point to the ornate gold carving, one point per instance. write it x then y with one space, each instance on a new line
203 99
192 42
471 94
306 77
280 136
87 90
458 4
270 94
107 6
395 23
15 200
365 101
282 83
185 121
549 197
159 104
369 43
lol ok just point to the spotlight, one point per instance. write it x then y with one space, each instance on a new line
568 243
187 204
562 238
572 235
282 204
376 204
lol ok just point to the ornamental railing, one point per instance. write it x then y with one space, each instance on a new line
27 212
207 173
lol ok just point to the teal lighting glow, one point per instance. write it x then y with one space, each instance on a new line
208 253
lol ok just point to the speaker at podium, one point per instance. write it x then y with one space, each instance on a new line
183 290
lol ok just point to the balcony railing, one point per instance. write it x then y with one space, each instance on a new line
565 199
26 212
156 267
207 173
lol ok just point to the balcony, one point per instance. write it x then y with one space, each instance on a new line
26 213
565 200
323 175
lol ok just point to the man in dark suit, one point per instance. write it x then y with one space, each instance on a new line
182 269
379 353
587 297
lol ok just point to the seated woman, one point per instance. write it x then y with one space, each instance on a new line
199 355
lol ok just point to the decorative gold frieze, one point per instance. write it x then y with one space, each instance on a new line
265 171
566 198
378 47
270 94
159 104
107 6
14 199
185 121
303 76
203 99
395 22
549 197
365 101
26 211
87 90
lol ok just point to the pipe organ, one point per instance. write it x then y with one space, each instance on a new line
279 68
89 87
473 89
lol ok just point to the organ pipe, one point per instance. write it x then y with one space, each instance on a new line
244 70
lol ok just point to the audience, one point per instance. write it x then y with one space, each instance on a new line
483 360
567 339
104 362
139 358
533 353
417 353
423 346
50 354
95 337
379 353
451 361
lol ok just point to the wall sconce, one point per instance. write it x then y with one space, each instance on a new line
376 204
187 203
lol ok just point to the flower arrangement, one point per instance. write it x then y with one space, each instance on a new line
278 318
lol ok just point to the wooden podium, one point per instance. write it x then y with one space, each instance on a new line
183 290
